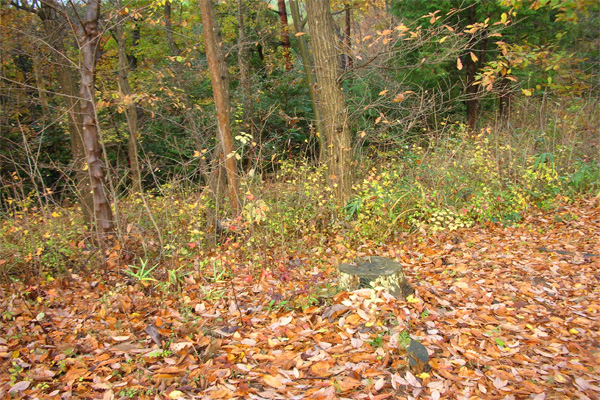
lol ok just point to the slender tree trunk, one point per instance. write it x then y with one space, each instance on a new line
88 37
347 38
130 109
220 77
55 27
135 40
40 83
308 73
503 99
244 65
169 30
332 107
285 34
472 101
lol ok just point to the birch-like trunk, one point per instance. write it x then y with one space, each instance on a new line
88 37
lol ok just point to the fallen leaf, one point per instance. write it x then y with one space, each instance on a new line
19 387
272 381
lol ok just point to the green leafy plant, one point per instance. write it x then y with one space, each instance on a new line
404 339
142 273
377 341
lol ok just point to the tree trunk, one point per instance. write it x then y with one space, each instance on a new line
55 28
472 100
347 39
220 79
504 99
130 109
308 73
330 98
135 40
169 30
244 65
88 37
285 34
40 84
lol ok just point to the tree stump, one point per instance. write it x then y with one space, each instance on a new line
373 271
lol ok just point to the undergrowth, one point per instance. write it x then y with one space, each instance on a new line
445 181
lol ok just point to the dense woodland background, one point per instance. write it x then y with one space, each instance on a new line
180 180
170 127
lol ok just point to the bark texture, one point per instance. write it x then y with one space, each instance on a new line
285 34
308 72
130 109
472 91
220 83
348 62
330 97
244 65
173 48
55 26
88 37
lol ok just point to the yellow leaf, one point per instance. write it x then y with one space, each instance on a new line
411 299
526 92
423 375
175 394
300 34
442 40
474 57
573 331
558 377
459 64
363 134
383 92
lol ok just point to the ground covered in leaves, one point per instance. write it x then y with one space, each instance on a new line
504 312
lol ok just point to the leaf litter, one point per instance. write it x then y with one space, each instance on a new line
503 312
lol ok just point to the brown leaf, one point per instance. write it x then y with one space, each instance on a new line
347 383
272 381
321 368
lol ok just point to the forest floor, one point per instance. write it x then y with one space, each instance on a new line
504 312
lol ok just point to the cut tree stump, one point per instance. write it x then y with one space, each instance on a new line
374 271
